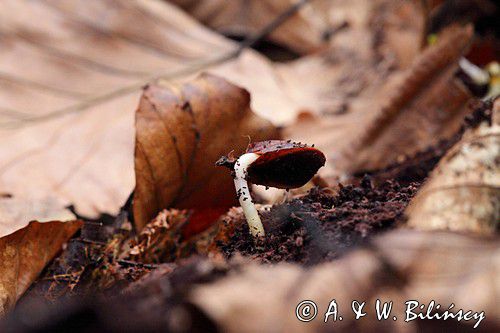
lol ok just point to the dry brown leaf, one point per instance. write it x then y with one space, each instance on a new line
25 248
330 83
394 23
86 158
16 213
304 32
181 131
24 253
426 104
401 265
58 63
463 192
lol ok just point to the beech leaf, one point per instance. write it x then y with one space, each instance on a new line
304 32
181 131
70 83
27 246
412 111
17 212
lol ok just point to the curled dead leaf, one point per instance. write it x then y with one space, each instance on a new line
463 192
426 104
181 131
24 253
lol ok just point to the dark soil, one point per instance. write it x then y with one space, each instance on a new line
155 303
321 226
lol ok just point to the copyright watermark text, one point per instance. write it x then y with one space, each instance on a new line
308 310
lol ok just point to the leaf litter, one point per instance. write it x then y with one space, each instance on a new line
181 280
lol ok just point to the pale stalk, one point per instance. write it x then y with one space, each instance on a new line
243 192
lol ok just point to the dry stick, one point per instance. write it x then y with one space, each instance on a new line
129 263
86 104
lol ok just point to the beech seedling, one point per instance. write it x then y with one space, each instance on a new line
274 163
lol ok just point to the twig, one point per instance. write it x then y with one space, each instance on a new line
123 91
129 263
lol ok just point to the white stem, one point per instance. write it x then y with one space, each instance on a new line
243 192
478 75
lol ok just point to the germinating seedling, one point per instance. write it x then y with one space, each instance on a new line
243 193
275 163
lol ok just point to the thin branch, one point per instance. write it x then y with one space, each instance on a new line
99 99
129 263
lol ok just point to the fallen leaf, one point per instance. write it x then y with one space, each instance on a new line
71 81
56 137
181 131
329 83
401 265
24 253
16 213
27 246
463 192
426 104
304 32
393 25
